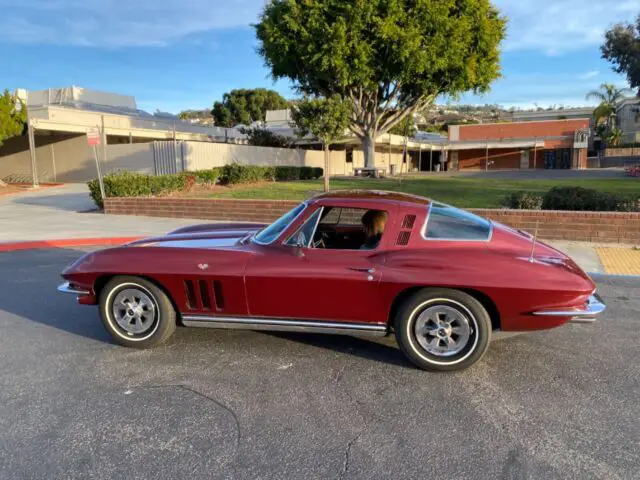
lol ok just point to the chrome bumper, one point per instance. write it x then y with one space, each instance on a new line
593 307
67 288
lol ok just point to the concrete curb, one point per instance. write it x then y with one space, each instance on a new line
65 242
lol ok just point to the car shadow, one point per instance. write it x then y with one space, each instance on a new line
375 349
28 291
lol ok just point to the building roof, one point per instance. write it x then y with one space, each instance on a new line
78 110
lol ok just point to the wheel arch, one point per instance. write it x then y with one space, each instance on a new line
102 280
483 298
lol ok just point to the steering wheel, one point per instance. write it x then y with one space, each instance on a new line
319 244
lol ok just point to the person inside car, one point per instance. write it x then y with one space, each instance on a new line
373 223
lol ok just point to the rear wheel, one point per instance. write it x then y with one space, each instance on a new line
136 312
442 329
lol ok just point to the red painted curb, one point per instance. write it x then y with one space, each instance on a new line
66 242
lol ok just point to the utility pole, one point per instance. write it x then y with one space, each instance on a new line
32 152
486 161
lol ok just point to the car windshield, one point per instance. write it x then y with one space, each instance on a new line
273 231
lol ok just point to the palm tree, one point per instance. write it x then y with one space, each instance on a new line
614 137
608 97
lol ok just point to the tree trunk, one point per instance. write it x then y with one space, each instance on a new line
369 147
327 167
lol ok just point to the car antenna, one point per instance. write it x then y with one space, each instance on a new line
535 239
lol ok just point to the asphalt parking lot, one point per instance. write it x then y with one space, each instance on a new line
238 404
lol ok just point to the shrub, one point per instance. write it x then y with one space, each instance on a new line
306 173
584 199
213 175
523 201
284 173
130 184
318 172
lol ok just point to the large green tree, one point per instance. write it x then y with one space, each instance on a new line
13 116
326 119
622 49
245 106
388 58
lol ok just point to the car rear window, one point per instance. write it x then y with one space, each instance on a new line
450 223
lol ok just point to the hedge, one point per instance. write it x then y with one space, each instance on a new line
523 201
574 199
130 184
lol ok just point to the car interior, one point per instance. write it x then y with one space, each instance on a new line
337 229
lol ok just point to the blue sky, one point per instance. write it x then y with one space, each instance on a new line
174 55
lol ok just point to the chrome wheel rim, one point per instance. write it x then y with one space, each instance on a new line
442 330
134 311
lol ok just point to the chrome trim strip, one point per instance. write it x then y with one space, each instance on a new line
594 306
67 288
286 325
423 231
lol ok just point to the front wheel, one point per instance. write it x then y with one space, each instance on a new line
136 312
442 329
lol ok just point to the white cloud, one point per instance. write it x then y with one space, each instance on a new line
557 27
588 75
544 90
119 23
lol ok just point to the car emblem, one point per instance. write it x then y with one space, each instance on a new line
203 266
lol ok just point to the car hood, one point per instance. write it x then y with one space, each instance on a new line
202 236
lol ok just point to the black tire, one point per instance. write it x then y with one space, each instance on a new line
158 323
469 317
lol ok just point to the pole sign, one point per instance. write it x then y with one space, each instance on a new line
93 137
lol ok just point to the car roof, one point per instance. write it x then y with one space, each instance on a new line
376 195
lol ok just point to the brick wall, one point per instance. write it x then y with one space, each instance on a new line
607 227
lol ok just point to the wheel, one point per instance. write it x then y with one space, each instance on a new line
136 312
443 330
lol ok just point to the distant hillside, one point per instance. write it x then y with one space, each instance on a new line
202 117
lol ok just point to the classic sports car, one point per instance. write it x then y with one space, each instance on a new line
350 262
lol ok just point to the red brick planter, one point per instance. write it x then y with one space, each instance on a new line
610 227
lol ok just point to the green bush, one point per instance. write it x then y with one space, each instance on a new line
306 173
523 201
213 175
585 199
130 184
284 173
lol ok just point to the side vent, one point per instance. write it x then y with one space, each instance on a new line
408 222
218 298
191 294
403 238
205 295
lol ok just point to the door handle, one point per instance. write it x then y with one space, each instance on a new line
363 269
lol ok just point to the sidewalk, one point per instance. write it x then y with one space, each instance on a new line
55 213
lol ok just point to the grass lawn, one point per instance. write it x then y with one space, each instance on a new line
468 192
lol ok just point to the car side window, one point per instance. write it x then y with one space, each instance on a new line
449 223
338 228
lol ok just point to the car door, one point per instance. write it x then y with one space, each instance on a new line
302 282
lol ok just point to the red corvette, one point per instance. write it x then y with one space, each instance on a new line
362 263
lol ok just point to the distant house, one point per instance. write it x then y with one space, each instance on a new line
628 119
